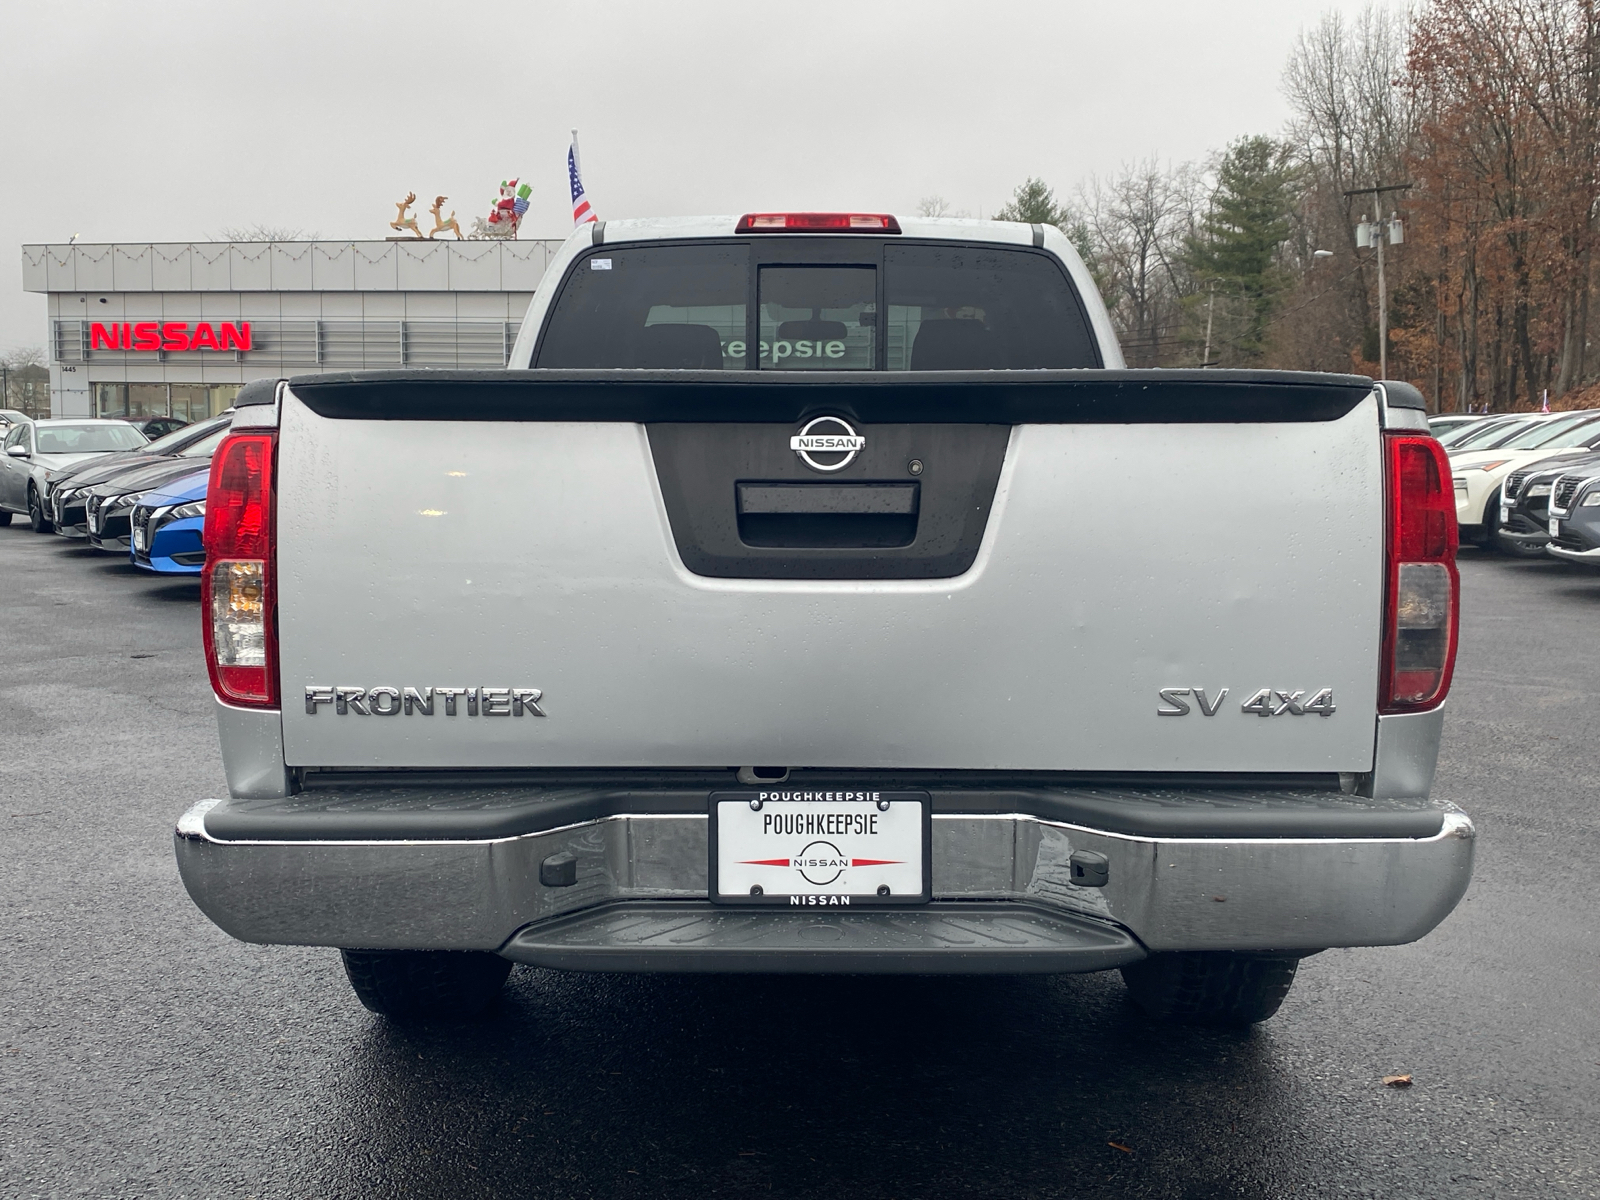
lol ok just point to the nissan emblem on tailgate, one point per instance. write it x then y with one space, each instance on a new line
829 437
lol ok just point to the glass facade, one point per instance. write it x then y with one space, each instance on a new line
140 401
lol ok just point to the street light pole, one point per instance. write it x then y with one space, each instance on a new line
1383 317
1376 233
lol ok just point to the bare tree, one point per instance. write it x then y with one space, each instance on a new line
26 379
266 233
1353 126
1137 222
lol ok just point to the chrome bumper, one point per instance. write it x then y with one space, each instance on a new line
1578 556
1169 893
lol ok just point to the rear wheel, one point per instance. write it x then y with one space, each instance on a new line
1212 987
36 518
426 985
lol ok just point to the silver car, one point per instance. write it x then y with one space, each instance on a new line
33 453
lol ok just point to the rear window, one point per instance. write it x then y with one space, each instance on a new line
676 307
206 446
88 439
967 308
883 306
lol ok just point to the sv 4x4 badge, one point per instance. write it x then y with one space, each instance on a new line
1267 702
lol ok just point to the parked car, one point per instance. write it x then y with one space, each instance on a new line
1575 517
1525 503
36 452
10 417
829 530
167 526
1477 473
1483 429
155 427
108 506
1446 421
65 498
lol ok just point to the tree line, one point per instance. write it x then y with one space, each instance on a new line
1483 115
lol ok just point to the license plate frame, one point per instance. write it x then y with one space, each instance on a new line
855 886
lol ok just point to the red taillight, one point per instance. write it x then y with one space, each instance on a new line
1422 601
239 587
817 223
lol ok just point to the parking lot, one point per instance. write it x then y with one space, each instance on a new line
145 1053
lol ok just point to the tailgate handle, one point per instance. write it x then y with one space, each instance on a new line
839 516
822 499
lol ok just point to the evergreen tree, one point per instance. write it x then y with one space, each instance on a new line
1034 203
1237 244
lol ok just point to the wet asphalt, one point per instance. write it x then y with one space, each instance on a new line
145 1053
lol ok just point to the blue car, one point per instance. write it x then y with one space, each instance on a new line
166 526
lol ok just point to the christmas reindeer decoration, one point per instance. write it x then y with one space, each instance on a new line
439 224
402 222
504 219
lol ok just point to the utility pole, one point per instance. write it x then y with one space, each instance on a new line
1205 360
1374 233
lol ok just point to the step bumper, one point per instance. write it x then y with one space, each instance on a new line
1168 893
983 937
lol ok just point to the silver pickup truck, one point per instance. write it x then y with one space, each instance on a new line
819 592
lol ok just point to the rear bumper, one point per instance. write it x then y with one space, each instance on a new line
1003 899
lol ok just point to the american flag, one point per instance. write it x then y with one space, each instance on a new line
581 212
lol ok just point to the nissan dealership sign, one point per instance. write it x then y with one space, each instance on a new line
170 335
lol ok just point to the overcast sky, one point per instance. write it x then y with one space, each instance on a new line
136 121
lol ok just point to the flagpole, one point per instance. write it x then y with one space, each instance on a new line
576 161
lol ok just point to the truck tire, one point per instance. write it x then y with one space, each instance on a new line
1211 987
426 985
36 518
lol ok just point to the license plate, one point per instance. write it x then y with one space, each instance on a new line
1555 527
822 848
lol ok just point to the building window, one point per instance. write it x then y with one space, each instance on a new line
222 397
147 400
191 402
111 399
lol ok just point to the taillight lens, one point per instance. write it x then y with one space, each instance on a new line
815 222
239 587
1422 608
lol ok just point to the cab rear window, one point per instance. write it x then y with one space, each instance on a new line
887 306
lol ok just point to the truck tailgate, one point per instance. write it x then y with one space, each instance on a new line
1118 557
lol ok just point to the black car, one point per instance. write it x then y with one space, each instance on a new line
64 501
108 506
159 427
1525 503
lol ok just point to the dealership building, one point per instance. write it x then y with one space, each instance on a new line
147 329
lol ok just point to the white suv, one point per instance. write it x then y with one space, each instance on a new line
1478 472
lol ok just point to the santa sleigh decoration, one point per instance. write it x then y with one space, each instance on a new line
505 218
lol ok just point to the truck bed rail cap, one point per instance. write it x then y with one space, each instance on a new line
1100 396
